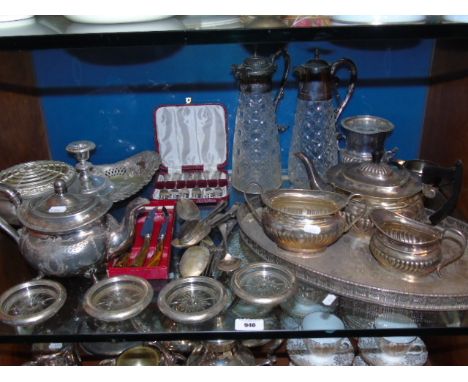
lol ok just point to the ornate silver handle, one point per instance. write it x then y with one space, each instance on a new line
287 64
346 63
459 238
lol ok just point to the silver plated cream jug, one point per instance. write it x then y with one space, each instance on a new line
315 131
256 150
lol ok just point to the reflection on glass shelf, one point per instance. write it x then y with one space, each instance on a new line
29 26
377 19
72 323
70 25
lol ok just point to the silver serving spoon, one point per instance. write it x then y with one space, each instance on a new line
202 228
193 231
194 261
187 210
228 263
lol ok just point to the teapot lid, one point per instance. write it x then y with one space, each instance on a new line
374 179
255 66
62 211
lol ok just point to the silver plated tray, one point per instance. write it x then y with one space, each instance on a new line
348 269
130 175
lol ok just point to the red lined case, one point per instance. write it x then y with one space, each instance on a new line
192 138
160 271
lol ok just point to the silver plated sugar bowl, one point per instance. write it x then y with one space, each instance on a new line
305 221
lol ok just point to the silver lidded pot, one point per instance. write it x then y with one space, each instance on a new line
66 234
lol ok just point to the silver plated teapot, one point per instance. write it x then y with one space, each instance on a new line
382 185
66 234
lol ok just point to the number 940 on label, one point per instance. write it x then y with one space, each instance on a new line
247 324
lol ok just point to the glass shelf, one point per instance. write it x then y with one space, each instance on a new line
52 32
72 324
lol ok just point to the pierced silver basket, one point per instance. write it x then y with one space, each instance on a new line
130 175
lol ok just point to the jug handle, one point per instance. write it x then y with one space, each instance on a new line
249 203
279 96
360 216
351 66
460 239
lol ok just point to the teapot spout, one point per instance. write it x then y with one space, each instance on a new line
120 236
315 181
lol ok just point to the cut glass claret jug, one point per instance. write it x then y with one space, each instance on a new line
256 151
314 130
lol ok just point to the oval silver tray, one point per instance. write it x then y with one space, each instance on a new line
348 269
130 175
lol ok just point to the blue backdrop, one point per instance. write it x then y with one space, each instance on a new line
108 95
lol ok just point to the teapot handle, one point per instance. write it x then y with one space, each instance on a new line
457 181
287 63
351 66
460 239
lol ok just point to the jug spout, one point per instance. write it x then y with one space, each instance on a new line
315 181
14 197
120 236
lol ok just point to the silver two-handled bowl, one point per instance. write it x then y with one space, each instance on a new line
304 220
